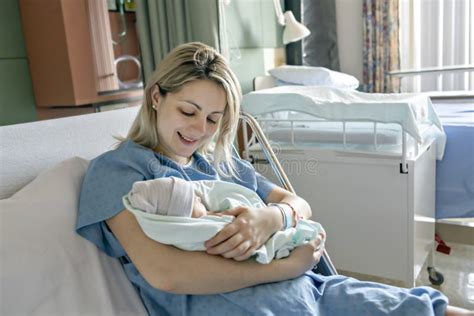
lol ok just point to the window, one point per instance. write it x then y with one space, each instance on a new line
437 37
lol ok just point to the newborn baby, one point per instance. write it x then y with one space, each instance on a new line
183 213
177 197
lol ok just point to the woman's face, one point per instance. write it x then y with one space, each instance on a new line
186 119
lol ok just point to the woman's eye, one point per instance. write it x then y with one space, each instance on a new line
211 121
187 113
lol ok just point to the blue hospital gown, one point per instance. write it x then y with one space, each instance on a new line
111 175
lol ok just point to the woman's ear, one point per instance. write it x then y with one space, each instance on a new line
155 97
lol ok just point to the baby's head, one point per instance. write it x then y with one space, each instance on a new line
166 196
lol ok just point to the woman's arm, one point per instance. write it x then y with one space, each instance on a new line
170 269
279 195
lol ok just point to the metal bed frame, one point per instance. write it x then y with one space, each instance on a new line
404 138
439 71
325 266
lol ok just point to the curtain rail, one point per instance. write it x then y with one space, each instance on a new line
421 71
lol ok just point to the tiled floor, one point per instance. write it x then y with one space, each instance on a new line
457 269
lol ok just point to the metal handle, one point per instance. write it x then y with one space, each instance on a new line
137 82
327 268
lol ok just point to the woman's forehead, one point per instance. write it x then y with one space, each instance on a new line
204 94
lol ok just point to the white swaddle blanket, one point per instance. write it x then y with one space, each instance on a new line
190 234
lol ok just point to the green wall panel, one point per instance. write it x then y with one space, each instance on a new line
16 92
252 27
11 36
253 24
248 66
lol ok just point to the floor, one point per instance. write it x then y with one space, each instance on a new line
457 269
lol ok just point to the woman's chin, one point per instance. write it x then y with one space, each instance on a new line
184 156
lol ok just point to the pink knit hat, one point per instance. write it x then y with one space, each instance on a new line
165 196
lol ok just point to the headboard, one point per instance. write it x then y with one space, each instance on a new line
263 82
29 148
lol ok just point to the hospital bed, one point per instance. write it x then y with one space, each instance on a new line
367 168
455 173
46 268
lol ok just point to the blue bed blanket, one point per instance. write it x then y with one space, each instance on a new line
310 294
455 173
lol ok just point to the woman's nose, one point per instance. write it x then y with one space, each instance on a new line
199 126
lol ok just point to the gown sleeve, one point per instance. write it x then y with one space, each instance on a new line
108 178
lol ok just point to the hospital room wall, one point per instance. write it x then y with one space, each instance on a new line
255 44
350 36
17 103
254 38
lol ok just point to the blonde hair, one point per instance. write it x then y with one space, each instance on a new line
184 64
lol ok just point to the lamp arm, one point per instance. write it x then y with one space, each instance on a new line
279 12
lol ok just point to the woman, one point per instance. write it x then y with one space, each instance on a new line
185 129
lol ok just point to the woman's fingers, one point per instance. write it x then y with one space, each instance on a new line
234 211
238 251
227 246
239 239
220 237
246 254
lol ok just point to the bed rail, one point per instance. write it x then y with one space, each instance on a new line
325 266
439 72
431 70
404 137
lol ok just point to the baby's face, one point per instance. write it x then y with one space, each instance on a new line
199 209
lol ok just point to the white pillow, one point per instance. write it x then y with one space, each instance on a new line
314 76
45 267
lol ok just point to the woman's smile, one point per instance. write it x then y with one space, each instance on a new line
186 140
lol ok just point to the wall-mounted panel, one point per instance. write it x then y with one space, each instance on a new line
252 24
253 62
16 93
11 36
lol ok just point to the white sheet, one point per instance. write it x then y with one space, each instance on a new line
408 110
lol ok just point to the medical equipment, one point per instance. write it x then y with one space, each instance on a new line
374 189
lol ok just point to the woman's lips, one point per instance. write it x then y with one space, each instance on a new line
186 140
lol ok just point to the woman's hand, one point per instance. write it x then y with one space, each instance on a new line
250 229
305 257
